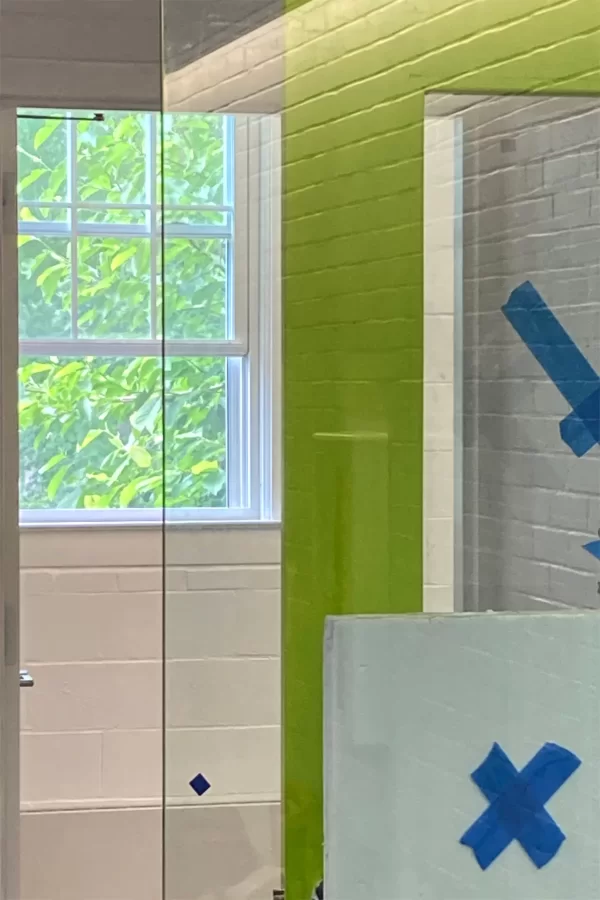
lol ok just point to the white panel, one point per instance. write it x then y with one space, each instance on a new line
413 705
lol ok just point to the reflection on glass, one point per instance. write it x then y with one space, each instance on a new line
222 620
114 286
511 349
44 286
195 284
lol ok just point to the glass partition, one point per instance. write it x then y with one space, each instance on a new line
148 211
221 200
512 221
91 496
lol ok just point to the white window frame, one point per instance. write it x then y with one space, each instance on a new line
252 348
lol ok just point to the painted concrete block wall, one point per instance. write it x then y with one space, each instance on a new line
442 331
532 183
356 79
91 727
245 75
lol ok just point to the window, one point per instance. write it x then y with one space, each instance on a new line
131 288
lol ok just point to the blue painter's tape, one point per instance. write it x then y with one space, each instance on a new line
200 784
564 363
517 800
594 548
580 430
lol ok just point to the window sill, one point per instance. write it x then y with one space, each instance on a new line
148 525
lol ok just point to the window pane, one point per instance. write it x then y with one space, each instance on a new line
124 216
42 156
195 284
114 287
91 433
48 214
193 159
195 432
205 218
111 159
44 286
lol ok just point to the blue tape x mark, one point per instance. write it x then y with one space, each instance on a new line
516 810
563 361
594 548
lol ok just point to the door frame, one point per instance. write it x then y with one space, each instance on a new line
9 515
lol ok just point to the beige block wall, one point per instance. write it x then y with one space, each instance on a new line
91 741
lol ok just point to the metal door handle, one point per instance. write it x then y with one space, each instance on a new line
25 679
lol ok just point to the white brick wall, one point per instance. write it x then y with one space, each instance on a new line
92 638
530 193
91 727
245 75
440 361
533 506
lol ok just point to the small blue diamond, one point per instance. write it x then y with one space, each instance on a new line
200 784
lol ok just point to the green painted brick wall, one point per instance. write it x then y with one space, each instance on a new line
357 72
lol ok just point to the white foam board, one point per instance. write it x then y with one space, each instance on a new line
413 704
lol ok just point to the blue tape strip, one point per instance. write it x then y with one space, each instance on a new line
200 784
563 362
594 548
517 799
580 430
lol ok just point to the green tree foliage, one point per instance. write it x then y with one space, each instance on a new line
116 432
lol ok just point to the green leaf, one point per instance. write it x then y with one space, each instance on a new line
95 501
34 368
28 180
140 456
90 436
47 272
205 466
54 461
215 482
129 492
122 257
63 411
145 417
56 180
71 367
56 481
44 132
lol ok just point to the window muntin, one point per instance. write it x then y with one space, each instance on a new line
96 245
